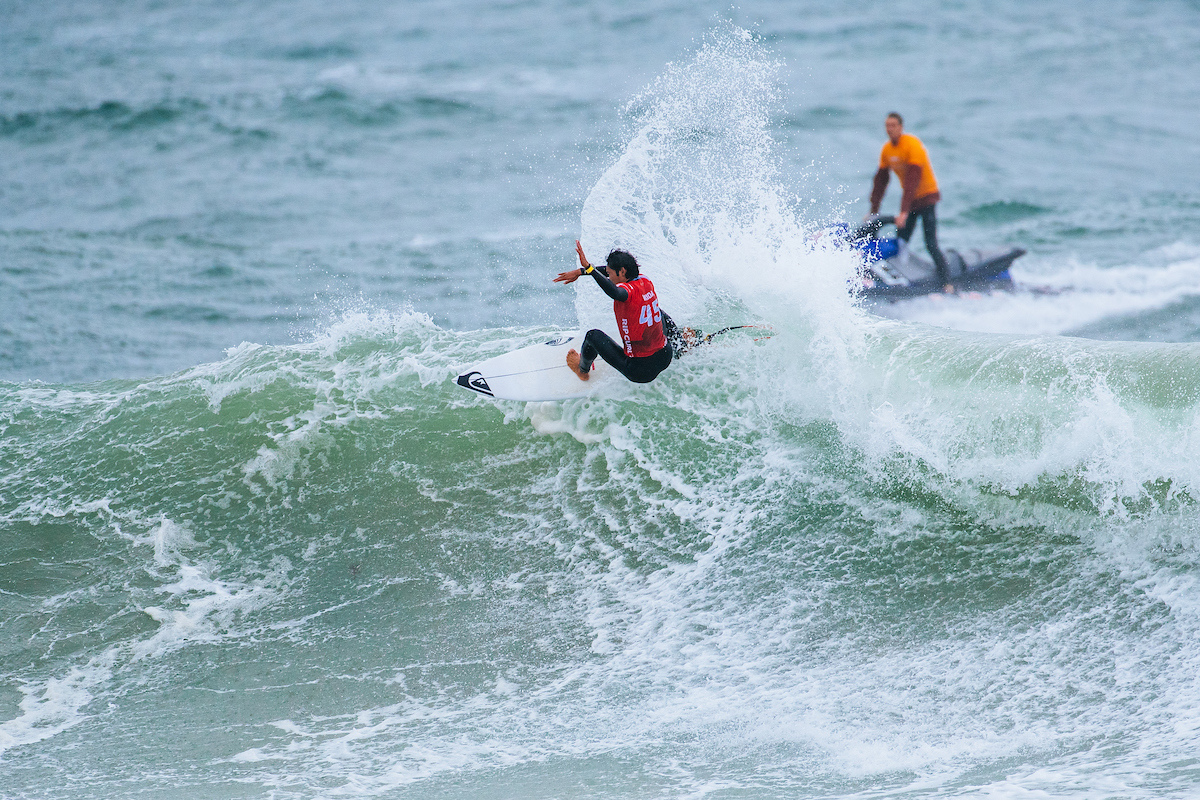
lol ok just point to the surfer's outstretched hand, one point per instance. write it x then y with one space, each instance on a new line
573 275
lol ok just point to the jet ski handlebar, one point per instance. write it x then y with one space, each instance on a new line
871 227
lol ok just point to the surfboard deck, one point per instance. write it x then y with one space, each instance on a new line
535 373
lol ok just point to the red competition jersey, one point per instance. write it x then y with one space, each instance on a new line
639 320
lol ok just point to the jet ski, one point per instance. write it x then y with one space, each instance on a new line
893 271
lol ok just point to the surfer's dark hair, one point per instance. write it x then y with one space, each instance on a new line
897 117
624 260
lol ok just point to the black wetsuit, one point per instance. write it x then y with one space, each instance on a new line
928 217
638 370
598 343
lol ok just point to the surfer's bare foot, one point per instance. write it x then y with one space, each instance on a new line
573 363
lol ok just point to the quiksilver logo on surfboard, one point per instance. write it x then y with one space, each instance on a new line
475 382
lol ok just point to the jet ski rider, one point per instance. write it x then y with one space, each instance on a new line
905 155
646 351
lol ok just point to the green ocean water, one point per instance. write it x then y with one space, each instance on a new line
254 542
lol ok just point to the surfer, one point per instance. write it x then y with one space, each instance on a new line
905 155
646 351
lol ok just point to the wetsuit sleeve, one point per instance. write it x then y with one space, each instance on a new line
881 182
617 293
912 180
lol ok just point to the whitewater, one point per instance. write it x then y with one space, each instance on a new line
947 547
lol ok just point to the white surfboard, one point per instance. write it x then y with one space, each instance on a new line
536 373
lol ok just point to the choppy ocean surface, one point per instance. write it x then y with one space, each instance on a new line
254 542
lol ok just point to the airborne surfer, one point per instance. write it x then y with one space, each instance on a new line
646 350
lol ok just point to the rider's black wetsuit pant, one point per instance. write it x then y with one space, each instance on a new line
928 217
638 370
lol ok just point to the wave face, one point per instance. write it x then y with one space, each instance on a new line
864 557
323 569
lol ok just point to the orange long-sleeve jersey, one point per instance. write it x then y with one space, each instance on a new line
909 160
